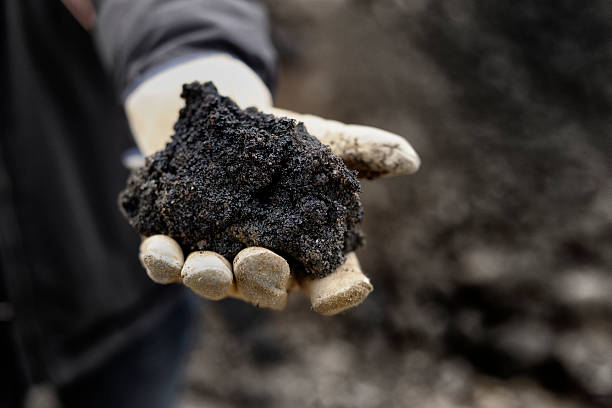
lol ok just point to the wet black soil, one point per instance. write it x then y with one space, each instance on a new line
232 178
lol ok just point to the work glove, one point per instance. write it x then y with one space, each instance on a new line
256 275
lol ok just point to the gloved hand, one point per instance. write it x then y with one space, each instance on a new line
257 275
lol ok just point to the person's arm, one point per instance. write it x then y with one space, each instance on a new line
152 84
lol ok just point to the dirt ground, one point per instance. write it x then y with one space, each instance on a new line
492 266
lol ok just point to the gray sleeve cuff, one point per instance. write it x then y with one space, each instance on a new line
137 37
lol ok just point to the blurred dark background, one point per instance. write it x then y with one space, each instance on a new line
492 266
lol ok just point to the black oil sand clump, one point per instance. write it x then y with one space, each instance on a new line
233 178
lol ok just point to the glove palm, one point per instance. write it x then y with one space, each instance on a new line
257 275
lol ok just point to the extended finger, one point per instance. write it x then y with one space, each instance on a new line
344 288
262 277
208 274
162 258
371 151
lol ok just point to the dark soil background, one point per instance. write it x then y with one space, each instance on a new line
492 266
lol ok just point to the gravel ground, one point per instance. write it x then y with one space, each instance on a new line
491 266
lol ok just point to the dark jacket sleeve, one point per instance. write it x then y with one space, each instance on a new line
137 36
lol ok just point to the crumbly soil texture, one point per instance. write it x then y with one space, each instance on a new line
232 178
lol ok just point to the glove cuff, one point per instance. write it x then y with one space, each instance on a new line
152 106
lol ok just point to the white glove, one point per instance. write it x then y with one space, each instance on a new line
257 275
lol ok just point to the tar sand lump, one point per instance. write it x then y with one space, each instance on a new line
232 178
